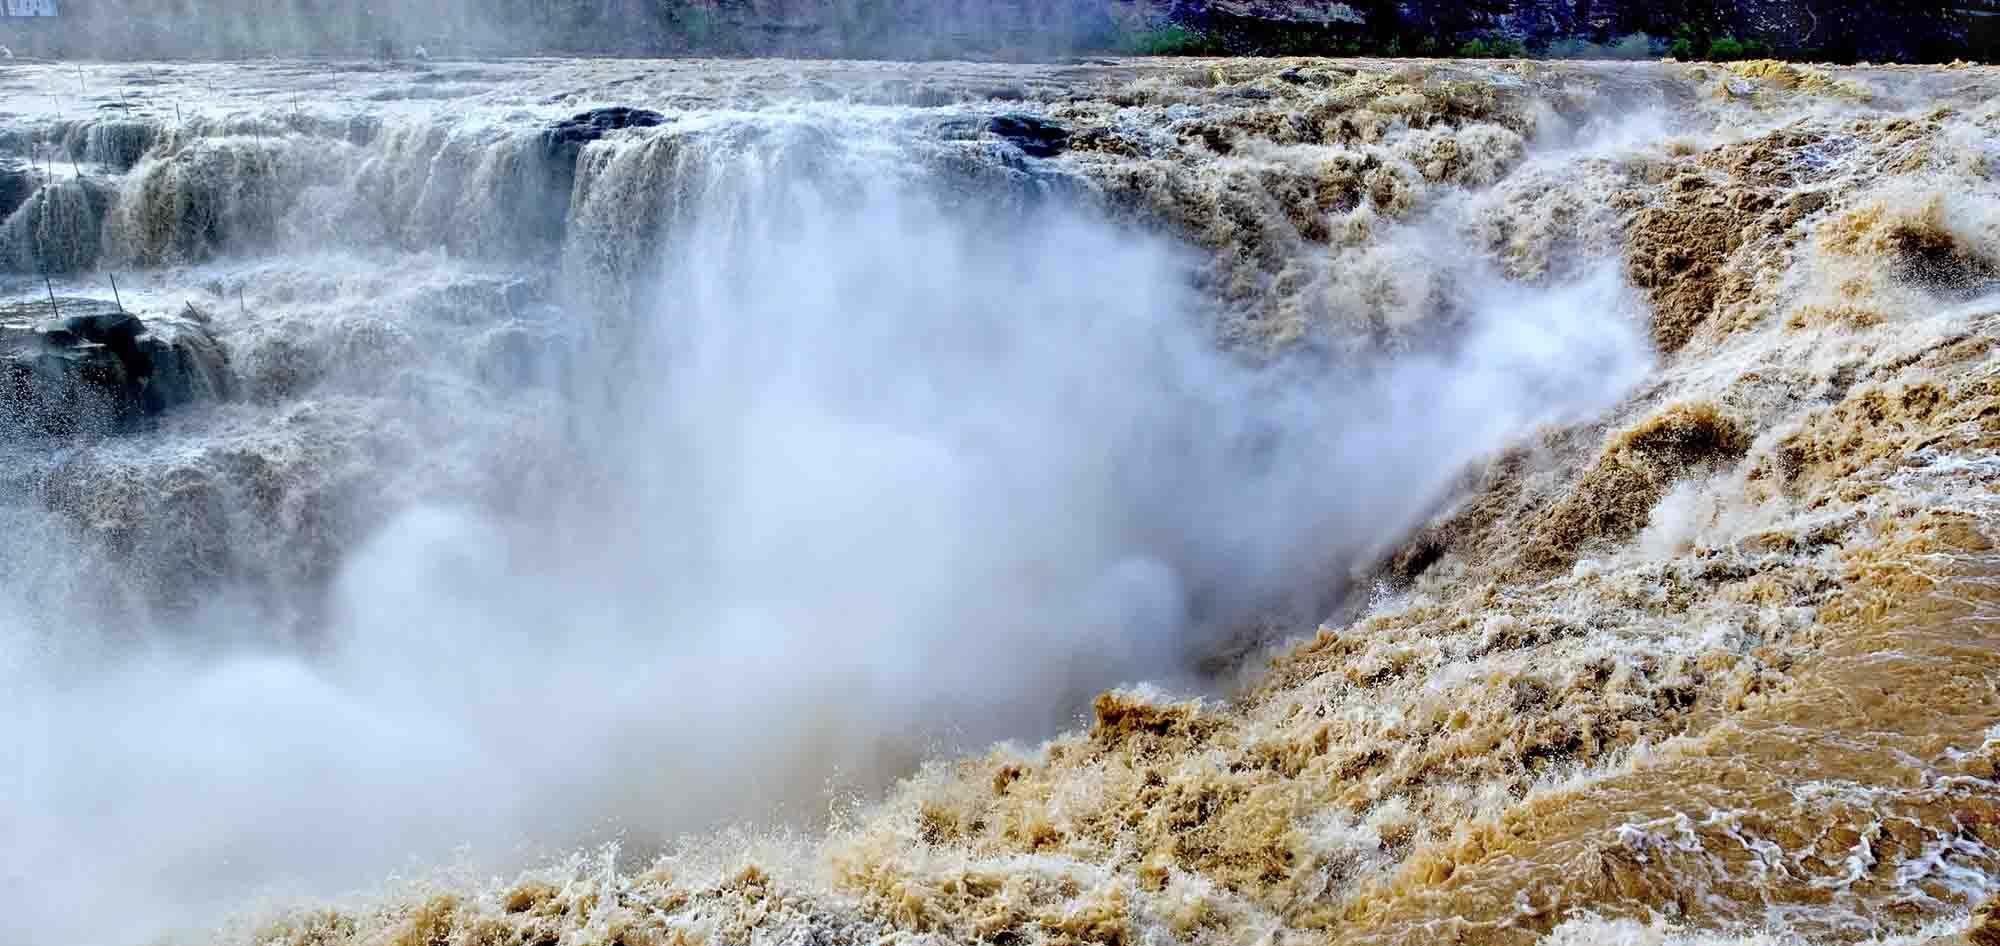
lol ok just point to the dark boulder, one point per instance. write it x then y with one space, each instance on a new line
540 199
563 141
16 183
1036 137
95 369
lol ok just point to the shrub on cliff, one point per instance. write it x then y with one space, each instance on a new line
1729 48
1170 40
1498 47
1692 43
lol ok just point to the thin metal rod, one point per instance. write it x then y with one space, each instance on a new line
115 297
52 295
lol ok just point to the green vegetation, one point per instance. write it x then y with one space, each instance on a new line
1693 43
1499 47
1170 40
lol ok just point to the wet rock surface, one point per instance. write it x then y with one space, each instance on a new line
563 142
1036 137
85 366
16 183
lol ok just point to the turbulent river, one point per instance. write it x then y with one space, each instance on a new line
1211 501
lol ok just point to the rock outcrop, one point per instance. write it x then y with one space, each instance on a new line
562 142
1036 137
89 367
1837 29
16 183
1935 30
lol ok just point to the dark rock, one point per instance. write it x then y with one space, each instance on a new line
1036 137
16 183
541 199
1840 30
96 369
565 140
1934 30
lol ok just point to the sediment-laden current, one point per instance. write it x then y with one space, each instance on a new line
1277 501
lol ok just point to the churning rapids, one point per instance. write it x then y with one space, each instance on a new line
1363 502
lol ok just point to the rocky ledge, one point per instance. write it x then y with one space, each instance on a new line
86 366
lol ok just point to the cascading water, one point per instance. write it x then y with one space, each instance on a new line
575 474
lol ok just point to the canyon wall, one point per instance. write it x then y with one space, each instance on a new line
1842 30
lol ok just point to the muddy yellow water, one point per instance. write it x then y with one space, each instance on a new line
1722 665
1857 796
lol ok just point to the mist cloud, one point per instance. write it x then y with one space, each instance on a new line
874 478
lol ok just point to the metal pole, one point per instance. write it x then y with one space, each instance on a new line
115 297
